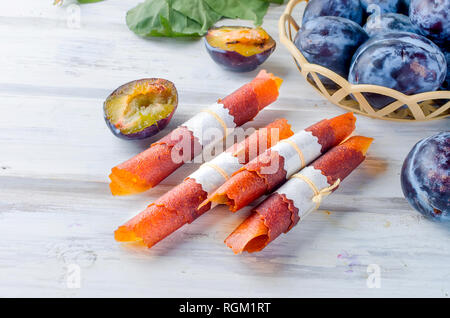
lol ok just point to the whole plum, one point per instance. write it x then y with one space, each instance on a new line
389 22
330 42
350 9
407 62
433 18
385 5
425 177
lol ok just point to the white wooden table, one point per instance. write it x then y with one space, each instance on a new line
56 211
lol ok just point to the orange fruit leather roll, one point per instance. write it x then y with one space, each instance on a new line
180 205
151 166
251 182
277 214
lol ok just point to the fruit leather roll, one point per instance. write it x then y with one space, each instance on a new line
270 169
299 196
180 205
150 167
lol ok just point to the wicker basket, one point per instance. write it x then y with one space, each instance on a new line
420 107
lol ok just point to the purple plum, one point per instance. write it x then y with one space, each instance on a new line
404 7
407 62
239 49
446 84
389 22
386 6
433 19
350 9
330 42
425 177
141 108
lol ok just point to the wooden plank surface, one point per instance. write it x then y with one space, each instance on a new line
56 152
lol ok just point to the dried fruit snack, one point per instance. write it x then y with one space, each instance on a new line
180 205
270 169
301 195
151 166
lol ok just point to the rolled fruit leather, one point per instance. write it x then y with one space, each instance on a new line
298 197
179 206
270 169
151 166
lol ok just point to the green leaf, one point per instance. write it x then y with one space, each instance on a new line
275 1
199 11
253 10
157 18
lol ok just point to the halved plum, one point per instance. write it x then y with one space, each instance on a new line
141 108
425 177
237 48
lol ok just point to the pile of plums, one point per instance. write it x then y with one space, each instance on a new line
399 44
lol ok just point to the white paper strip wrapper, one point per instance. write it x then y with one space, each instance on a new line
301 193
204 124
211 179
306 142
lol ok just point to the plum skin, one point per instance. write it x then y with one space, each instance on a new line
407 62
425 177
349 9
389 22
385 5
234 61
150 130
330 42
432 17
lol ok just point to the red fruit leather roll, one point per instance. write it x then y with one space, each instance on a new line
298 197
150 167
270 169
180 205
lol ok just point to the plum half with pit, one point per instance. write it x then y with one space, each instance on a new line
239 49
425 177
404 61
349 9
433 19
330 42
389 22
141 108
